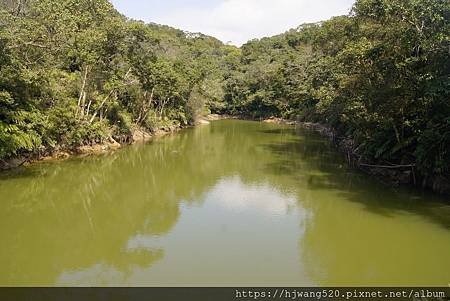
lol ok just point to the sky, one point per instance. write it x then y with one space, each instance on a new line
233 21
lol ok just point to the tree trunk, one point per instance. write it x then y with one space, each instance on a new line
106 99
147 109
82 92
101 106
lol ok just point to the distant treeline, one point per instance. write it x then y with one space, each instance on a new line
380 76
75 72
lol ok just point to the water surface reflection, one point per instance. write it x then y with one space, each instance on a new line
233 203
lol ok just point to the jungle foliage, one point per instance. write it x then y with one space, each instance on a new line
76 72
380 75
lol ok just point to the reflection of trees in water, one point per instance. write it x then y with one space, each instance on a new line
76 215
73 221
361 231
80 213
62 217
347 245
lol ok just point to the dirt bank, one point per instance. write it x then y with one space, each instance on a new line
62 153
97 148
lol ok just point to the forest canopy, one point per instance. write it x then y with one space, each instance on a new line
380 75
76 72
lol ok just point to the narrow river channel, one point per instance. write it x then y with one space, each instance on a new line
230 203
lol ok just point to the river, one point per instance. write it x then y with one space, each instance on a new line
233 203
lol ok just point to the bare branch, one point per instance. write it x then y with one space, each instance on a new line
388 166
101 105
83 86
107 97
34 44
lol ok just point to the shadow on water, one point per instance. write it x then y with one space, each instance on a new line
101 220
313 160
85 218
360 231
290 131
20 172
41 168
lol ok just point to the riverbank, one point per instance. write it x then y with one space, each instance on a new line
97 148
110 144
145 209
393 175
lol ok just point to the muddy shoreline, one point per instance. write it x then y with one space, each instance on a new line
60 153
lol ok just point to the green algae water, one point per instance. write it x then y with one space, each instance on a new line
233 203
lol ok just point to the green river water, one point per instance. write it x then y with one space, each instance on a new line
233 203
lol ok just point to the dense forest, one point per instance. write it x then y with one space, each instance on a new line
76 72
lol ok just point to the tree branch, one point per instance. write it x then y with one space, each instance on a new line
34 44
83 86
107 97
388 166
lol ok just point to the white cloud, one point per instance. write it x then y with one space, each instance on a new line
241 20
233 194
